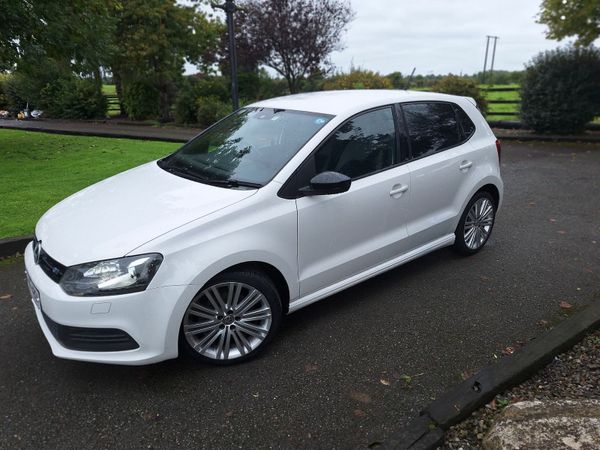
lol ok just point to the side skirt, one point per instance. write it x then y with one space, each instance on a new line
373 271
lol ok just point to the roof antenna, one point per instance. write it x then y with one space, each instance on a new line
410 78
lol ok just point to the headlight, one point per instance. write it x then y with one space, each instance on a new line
111 277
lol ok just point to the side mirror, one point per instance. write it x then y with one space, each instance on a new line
327 183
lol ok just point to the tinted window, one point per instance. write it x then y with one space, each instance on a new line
251 145
363 145
431 127
466 123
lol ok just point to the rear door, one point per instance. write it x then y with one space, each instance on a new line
441 159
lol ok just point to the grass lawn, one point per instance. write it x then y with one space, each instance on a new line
109 89
38 169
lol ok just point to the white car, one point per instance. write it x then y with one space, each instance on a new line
279 205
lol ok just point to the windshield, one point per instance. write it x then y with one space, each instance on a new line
245 149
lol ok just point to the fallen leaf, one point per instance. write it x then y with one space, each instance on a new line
385 382
561 232
360 397
359 413
308 368
147 416
5 296
406 378
565 305
466 374
552 220
543 323
508 350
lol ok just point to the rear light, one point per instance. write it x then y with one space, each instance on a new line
499 149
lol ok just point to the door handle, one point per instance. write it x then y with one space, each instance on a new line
465 165
398 190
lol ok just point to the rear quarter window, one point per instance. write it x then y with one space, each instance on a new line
467 125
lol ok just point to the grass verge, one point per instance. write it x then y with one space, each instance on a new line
39 169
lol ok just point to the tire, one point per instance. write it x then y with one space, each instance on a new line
231 319
470 242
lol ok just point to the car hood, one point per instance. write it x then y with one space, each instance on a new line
115 216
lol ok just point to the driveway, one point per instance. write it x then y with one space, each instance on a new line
344 372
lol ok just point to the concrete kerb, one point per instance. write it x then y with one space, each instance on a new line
12 246
456 404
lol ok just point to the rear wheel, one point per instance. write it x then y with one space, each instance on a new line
232 318
476 224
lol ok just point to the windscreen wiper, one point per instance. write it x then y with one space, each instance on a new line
184 172
233 183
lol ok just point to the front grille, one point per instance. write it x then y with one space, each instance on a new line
51 267
90 339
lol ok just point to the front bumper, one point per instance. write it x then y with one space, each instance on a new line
151 319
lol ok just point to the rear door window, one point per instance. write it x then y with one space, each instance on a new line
432 127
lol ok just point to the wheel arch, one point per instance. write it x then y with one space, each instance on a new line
268 270
491 189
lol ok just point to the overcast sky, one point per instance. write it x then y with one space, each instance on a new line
440 36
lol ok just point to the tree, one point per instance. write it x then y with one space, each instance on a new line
52 45
295 37
154 39
580 18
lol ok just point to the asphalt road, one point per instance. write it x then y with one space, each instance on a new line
338 374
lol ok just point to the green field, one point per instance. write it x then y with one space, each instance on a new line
39 169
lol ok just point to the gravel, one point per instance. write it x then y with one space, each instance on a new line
572 375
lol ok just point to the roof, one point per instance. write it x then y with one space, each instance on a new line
349 101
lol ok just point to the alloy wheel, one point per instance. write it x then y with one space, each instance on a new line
478 223
227 320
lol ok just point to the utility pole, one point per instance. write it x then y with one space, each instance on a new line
487 46
493 58
230 7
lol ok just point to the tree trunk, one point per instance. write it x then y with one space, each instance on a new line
119 88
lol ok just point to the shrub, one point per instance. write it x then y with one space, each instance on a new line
210 109
4 99
454 85
141 100
212 86
184 109
560 91
271 87
358 79
72 98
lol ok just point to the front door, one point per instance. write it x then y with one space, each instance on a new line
344 234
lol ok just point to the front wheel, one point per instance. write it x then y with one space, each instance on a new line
476 224
231 319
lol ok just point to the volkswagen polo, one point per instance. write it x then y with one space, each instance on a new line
278 205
